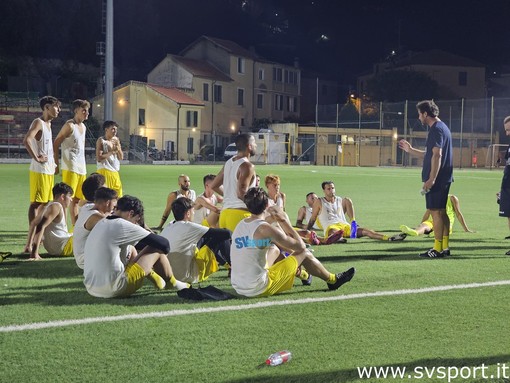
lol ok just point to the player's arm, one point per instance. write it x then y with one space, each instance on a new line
407 147
46 218
61 136
301 215
283 235
284 199
93 220
117 148
459 215
435 162
316 208
217 183
245 173
168 208
202 202
34 133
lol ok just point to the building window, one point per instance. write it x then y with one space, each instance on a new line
242 121
260 101
240 65
462 78
240 96
192 118
291 104
278 102
218 93
141 116
205 95
277 74
261 74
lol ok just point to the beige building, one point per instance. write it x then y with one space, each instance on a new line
157 117
234 84
458 76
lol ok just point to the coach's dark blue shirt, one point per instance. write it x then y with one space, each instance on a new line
439 137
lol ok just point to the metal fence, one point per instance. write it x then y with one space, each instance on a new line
366 133
356 133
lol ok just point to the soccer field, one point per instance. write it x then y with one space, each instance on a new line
430 320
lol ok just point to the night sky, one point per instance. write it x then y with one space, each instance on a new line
338 38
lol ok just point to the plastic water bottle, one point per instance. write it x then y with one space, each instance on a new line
354 229
278 358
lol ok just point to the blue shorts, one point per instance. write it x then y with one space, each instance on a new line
437 197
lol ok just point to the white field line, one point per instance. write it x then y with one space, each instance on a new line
250 306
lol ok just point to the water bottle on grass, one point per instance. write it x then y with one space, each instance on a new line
278 358
354 229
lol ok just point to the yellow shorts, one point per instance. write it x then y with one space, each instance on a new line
229 218
281 276
41 186
206 262
74 180
68 248
112 180
135 277
430 224
339 226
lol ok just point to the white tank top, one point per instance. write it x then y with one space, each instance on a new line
44 146
202 212
230 200
111 163
331 212
248 256
73 150
56 234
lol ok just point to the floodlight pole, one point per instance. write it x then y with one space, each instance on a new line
108 86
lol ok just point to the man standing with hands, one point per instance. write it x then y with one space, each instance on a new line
437 174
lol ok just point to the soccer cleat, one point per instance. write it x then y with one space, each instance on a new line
336 237
313 239
508 252
4 255
342 278
432 254
156 279
407 230
446 252
397 237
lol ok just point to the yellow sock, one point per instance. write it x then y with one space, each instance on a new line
438 245
331 279
173 281
385 237
303 274
446 242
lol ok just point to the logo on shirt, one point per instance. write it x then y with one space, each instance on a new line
248 242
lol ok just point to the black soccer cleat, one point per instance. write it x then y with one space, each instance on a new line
342 278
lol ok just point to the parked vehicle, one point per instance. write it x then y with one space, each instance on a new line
230 151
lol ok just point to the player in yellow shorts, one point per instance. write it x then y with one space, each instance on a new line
426 226
71 139
39 144
50 226
258 268
108 155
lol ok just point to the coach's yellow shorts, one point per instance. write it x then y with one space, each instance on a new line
135 276
112 180
339 226
206 262
41 186
229 218
281 276
74 180
68 248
